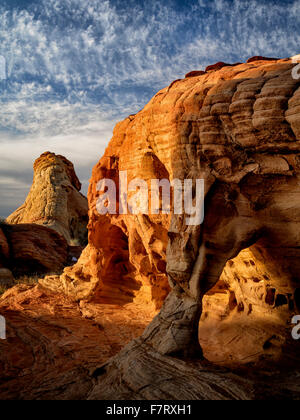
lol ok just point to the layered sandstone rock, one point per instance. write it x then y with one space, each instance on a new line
54 345
33 249
236 127
55 200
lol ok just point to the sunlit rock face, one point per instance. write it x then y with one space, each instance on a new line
238 128
53 344
247 315
55 200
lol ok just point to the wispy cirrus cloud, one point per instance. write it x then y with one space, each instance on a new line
75 67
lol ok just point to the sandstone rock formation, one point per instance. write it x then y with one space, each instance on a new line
32 249
238 128
55 200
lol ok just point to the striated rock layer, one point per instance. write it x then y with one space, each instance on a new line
234 280
238 128
54 345
55 200
32 249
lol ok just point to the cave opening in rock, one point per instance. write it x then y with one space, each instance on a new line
237 320
118 284
281 300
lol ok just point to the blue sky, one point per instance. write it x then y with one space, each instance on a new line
76 67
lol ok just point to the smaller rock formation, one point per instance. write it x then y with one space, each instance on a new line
55 200
32 249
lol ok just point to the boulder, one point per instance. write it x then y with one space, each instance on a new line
35 249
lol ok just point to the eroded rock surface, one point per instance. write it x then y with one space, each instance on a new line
58 349
247 315
54 345
139 372
32 249
55 200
